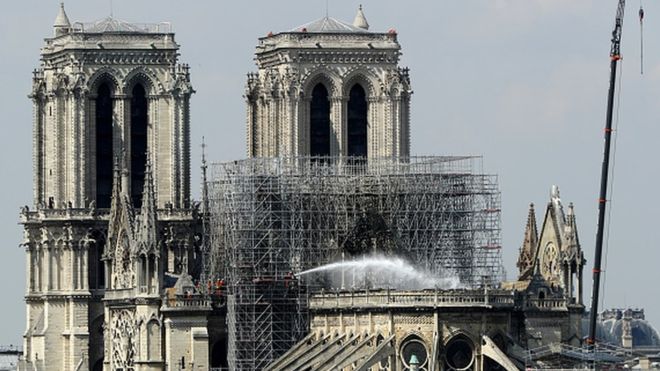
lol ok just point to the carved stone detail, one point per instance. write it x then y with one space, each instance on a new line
123 334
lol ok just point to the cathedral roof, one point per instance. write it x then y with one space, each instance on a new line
329 25
111 24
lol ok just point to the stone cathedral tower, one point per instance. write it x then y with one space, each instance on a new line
112 213
329 88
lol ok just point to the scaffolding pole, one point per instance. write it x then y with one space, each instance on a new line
271 217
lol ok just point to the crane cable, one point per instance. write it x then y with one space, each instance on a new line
615 134
641 38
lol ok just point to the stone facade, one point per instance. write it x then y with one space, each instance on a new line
76 63
509 327
112 223
114 244
555 254
337 56
443 329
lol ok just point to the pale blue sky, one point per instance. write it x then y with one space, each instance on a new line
521 82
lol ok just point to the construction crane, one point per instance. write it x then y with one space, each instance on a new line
615 56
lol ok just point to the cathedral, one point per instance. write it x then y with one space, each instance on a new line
126 272
112 223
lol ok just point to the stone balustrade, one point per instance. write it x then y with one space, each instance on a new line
446 298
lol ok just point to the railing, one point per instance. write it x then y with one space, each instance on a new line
602 353
458 298
28 215
11 350
187 302
550 303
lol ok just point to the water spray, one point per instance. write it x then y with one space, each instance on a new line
384 272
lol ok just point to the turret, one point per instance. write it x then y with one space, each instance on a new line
360 20
62 25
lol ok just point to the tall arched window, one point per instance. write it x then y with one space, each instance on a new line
104 160
153 338
357 122
139 121
319 125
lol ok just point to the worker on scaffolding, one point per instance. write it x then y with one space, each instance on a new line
290 281
219 284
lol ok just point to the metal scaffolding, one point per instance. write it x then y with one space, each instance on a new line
274 216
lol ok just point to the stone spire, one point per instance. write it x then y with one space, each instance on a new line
360 20
571 243
115 200
121 209
205 188
530 243
147 235
62 25
570 228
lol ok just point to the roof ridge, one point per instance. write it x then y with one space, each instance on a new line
327 24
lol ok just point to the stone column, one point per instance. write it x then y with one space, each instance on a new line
119 127
169 347
108 274
303 126
73 268
90 162
338 138
293 130
82 156
71 149
83 255
37 137
155 277
276 132
395 148
374 129
152 134
185 153
47 267
37 267
405 122
28 268
174 150
579 283
249 134
147 276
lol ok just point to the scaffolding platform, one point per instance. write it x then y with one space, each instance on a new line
273 217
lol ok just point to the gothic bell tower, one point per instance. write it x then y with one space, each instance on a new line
329 88
106 93
108 89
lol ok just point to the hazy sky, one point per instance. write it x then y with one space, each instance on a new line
521 82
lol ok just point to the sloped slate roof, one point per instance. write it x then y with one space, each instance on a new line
328 25
111 24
